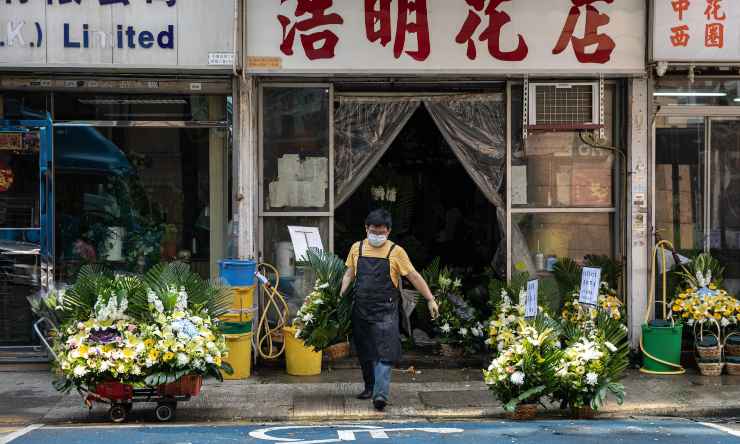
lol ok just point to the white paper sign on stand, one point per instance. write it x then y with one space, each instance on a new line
530 305
304 238
590 284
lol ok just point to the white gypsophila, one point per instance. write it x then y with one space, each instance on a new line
592 379
517 378
446 328
612 348
463 331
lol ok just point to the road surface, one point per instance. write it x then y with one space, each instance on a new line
672 431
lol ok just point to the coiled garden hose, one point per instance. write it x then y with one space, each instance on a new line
266 333
651 306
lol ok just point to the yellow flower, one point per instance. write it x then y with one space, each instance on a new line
217 361
153 354
128 353
83 350
169 356
149 343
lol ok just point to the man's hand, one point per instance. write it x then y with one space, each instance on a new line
433 308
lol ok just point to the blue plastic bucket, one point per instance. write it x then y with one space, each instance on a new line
236 272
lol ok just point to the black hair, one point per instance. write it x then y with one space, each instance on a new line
379 217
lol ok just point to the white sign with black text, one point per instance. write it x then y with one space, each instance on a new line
590 284
304 238
530 306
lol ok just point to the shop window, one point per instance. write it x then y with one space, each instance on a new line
296 177
701 91
132 197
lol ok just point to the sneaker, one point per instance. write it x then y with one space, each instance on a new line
379 404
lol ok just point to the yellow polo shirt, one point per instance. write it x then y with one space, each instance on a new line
400 262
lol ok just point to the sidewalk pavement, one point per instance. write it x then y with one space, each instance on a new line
27 397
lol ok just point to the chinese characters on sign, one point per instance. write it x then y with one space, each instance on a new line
695 29
308 15
590 285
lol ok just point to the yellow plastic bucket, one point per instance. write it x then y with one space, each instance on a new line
240 355
299 359
243 298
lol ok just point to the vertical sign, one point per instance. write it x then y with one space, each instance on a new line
530 306
590 283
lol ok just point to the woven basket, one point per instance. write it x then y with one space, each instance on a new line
733 368
338 351
582 413
710 368
449 351
709 352
524 412
732 350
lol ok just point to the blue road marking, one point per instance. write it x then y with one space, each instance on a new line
531 432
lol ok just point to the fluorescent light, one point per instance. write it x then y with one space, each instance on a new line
736 99
132 101
688 94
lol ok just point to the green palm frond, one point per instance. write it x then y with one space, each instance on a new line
432 271
210 295
329 268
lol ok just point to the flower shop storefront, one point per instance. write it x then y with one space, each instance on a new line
135 169
493 160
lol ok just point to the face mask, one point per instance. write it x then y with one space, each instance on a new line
376 240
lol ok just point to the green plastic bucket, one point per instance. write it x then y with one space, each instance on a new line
663 343
236 328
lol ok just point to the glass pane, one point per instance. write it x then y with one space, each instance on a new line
681 91
679 178
296 149
19 179
573 235
296 281
19 279
725 199
131 197
139 107
29 106
558 170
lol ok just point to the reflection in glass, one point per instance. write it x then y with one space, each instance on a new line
679 178
19 180
132 197
724 237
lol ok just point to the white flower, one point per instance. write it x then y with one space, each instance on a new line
725 322
324 285
517 378
80 371
445 328
308 318
592 378
612 348
463 331
476 332
558 344
489 341
318 301
182 359
500 346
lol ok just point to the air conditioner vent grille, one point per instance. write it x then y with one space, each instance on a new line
573 104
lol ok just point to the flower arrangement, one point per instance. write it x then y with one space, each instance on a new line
324 319
608 302
456 325
503 325
525 370
702 298
592 363
137 330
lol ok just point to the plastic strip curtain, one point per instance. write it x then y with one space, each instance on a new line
364 129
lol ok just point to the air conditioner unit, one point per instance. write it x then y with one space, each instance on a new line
564 106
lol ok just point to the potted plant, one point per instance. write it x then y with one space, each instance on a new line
524 371
595 357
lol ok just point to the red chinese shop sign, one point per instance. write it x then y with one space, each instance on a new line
696 30
455 36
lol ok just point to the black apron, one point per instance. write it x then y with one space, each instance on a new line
375 310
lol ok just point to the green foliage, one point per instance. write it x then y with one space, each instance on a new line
567 274
704 264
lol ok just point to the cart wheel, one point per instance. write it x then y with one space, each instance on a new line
117 413
165 411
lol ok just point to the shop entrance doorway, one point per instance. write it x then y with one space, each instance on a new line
437 209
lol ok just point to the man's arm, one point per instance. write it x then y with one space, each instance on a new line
421 286
347 279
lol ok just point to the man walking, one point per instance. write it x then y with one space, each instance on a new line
377 265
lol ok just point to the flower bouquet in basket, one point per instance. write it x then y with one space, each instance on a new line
608 303
457 327
524 371
137 331
594 359
324 320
